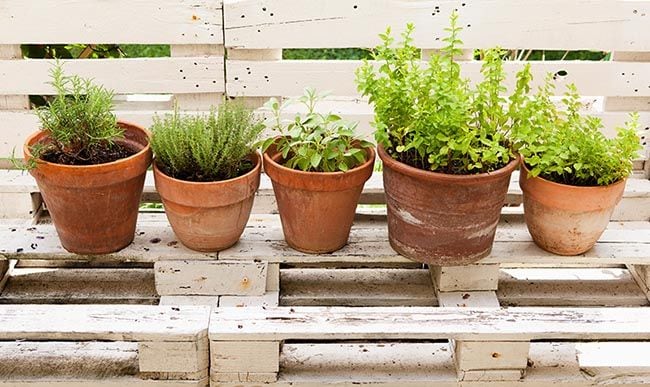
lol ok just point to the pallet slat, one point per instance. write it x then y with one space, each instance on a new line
551 24
199 74
476 324
119 21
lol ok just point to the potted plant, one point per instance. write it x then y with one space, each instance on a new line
318 168
445 147
572 175
207 171
89 167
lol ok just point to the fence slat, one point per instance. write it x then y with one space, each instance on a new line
549 24
115 21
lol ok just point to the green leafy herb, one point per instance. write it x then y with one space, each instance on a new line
428 116
567 147
314 141
78 120
208 147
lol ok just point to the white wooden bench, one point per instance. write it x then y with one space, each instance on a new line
70 345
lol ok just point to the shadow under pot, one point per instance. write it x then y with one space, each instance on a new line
442 219
209 216
566 219
94 208
316 208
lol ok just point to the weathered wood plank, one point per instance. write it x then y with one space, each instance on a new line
593 24
210 278
103 322
465 278
200 100
80 286
143 22
289 77
473 324
622 243
357 287
270 299
245 357
569 287
181 357
132 75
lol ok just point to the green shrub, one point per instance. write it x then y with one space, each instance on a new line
316 142
567 147
428 116
209 147
78 120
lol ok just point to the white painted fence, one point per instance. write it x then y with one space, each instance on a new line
256 31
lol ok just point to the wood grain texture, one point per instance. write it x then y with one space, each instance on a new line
119 21
473 324
289 77
131 75
552 24
204 278
100 322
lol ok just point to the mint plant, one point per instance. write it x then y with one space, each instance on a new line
567 147
313 141
208 147
429 116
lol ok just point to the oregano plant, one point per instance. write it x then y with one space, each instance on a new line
565 146
313 141
429 116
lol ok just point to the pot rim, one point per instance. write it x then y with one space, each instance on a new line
428 175
256 168
358 168
569 186
32 138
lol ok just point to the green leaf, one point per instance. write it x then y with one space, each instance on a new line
315 160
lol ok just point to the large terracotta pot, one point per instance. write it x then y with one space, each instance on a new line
316 209
566 219
209 216
94 208
441 219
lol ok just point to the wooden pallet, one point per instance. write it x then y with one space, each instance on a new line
75 345
305 346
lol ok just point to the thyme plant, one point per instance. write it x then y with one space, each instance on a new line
79 122
429 116
314 141
210 147
567 147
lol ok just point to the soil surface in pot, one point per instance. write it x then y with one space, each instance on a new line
92 156
197 176
456 167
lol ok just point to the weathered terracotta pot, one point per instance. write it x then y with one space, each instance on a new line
94 208
209 216
316 209
441 219
566 219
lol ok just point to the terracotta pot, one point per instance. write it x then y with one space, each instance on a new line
209 216
441 219
316 209
566 219
94 208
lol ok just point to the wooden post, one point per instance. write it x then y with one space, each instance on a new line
244 361
245 54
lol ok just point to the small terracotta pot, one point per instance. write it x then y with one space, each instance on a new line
209 216
316 209
95 207
441 219
566 219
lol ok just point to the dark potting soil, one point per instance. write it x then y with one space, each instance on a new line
90 156
196 175
456 167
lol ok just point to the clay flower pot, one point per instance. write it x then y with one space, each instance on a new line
566 219
316 209
209 216
441 219
94 208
